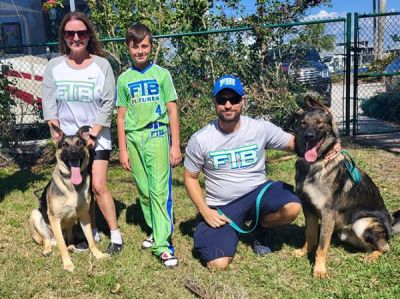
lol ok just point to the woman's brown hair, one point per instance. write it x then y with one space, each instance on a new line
93 45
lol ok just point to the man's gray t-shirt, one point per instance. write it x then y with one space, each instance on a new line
233 163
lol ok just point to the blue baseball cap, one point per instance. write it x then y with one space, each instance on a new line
228 82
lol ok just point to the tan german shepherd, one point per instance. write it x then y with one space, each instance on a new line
332 198
65 199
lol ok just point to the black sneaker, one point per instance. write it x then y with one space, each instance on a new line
114 248
81 246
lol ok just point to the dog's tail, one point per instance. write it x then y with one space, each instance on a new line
396 222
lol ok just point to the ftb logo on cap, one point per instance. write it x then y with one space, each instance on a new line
230 82
227 81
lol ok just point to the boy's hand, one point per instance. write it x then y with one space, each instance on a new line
175 156
124 160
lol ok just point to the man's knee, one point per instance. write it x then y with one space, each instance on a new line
219 264
290 211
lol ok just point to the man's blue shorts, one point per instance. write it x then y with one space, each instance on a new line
213 243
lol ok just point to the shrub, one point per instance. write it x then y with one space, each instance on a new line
7 116
384 106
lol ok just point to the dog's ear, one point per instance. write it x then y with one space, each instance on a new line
82 130
335 130
313 101
56 133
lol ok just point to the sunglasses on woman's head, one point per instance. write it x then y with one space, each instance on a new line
70 34
233 100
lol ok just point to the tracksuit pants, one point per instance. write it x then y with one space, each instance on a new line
148 150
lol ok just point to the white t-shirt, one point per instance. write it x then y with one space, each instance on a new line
233 163
80 97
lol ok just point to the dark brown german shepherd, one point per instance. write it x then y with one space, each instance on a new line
65 199
331 196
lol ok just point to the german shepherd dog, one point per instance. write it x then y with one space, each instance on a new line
65 199
331 196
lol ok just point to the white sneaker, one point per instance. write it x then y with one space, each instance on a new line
148 242
168 260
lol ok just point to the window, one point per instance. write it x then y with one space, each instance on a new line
11 35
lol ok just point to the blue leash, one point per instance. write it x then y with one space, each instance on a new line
258 202
351 167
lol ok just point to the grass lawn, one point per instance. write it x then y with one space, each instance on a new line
25 273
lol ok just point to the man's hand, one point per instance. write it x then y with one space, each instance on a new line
175 156
124 160
213 219
334 152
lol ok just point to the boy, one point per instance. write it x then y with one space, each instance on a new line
147 120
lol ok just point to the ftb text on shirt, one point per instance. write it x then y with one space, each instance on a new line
235 158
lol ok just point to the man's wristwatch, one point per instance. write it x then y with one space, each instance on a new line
94 138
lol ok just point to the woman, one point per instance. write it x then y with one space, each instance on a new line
79 90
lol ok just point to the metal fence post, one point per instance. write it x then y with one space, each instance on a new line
348 72
355 77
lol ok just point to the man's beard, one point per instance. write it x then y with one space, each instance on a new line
225 119
231 119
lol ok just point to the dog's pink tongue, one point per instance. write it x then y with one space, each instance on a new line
311 155
76 177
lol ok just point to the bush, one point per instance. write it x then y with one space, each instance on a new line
7 116
384 106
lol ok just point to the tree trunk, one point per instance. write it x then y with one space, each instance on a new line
381 29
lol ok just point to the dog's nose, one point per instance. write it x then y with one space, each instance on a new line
309 134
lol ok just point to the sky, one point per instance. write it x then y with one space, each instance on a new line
338 8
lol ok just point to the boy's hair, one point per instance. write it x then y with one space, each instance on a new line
137 32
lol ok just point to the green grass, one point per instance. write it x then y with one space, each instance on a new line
137 274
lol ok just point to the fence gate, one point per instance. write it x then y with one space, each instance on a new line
376 60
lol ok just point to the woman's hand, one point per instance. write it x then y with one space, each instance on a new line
90 143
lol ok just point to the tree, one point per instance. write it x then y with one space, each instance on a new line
195 61
381 29
314 35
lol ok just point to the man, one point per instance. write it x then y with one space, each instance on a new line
230 152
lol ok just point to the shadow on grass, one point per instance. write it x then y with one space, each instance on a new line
177 183
187 227
19 180
276 237
135 216
101 222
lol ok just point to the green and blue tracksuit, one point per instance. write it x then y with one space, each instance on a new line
145 93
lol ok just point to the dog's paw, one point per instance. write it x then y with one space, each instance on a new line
373 257
101 255
300 252
69 266
46 253
320 272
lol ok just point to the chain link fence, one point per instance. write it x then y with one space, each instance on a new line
277 64
376 73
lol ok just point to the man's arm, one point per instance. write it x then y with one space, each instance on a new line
290 147
211 216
